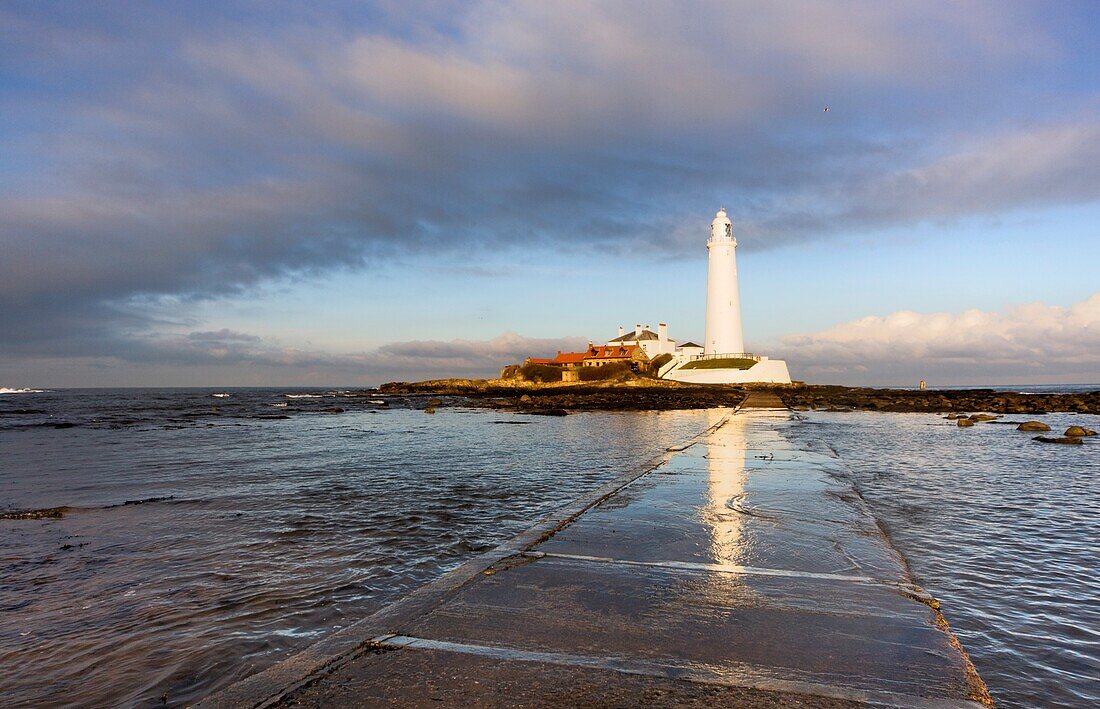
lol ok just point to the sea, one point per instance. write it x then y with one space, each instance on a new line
196 536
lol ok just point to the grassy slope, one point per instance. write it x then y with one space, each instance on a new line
729 363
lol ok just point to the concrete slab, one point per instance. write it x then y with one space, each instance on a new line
428 677
744 627
745 496
743 571
773 515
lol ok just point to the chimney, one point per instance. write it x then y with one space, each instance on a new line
638 331
621 331
662 334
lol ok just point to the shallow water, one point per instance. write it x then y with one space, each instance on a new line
272 533
277 531
1004 531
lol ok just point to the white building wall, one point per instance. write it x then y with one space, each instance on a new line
652 348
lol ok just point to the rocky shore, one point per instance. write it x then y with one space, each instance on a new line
644 394
559 399
936 401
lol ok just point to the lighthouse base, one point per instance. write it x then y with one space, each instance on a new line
765 371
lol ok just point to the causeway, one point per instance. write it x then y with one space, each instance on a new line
740 569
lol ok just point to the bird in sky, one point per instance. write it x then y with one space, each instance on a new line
826 110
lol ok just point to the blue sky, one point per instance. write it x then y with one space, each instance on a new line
261 193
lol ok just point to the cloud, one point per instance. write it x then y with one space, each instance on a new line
245 156
223 335
1036 167
1025 343
205 151
414 359
508 348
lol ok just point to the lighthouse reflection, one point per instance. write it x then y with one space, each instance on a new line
726 489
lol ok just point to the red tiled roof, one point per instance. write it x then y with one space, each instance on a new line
610 352
569 357
563 358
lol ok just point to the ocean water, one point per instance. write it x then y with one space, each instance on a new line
1025 388
1003 530
203 541
207 537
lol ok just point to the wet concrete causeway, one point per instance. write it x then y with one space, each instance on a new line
742 570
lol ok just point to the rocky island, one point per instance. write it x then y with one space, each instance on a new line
639 393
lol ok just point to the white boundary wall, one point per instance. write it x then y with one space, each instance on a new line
768 371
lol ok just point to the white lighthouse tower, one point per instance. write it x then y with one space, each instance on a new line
723 333
723 359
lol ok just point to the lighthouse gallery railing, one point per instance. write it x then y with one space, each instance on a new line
727 355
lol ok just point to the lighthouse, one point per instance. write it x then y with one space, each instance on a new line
722 358
723 331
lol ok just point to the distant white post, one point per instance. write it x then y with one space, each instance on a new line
723 332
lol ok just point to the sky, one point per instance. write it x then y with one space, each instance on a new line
343 194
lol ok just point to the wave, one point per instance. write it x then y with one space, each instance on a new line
6 390
63 510
305 396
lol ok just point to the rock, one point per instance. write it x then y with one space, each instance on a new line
983 417
1065 439
1033 426
433 402
525 399
47 513
144 501
964 423
1079 431
953 417
549 412
333 410
429 410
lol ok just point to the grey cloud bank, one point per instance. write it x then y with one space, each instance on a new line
206 151
238 359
